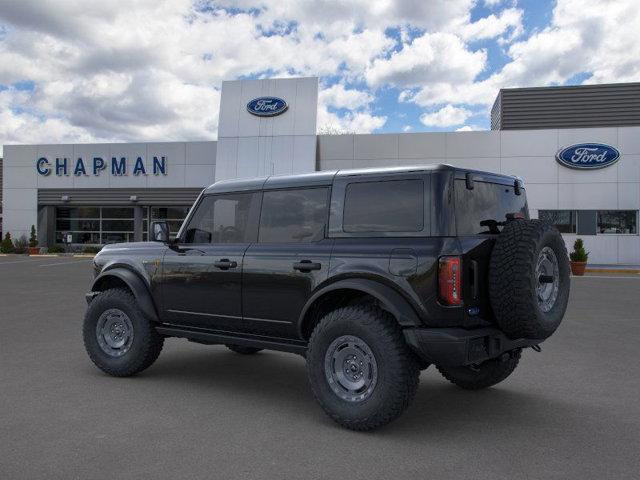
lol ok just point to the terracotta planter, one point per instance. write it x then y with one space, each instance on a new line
34 250
578 268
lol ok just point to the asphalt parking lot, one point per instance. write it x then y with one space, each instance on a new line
572 411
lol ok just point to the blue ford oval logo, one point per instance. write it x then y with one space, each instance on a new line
267 106
588 156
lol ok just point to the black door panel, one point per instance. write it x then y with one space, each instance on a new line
202 273
199 293
278 280
290 259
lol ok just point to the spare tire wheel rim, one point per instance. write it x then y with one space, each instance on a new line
547 279
351 368
114 332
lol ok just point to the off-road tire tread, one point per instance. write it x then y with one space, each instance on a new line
405 371
152 340
491 372
510 273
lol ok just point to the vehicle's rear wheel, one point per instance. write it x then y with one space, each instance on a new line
117 336
487 374
243 350
361 371
529 279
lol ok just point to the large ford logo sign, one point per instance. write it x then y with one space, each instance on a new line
267 106
588 156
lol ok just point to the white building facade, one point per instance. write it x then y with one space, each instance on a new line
115 190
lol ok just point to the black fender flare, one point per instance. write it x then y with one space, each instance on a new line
390 300
137 286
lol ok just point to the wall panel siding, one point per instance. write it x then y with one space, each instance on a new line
567 107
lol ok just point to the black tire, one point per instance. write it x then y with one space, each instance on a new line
397 370
485 375
145 345
243 350
514 279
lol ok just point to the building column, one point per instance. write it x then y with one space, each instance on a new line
138 217
46 229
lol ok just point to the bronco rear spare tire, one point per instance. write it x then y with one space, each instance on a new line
529 279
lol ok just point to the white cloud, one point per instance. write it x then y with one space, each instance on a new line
351 122
432 57
509 20
338 96
469 128
585 36
447 116
152 70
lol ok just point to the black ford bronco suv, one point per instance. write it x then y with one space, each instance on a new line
372 275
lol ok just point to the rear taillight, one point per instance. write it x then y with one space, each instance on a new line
449 281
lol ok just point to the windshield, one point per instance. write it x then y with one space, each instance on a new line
484 209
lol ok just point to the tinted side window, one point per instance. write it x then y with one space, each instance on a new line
387 206
229 218
293 215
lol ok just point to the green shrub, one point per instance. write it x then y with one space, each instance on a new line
91 249
56 249
7 244
579 254
33 238
21 244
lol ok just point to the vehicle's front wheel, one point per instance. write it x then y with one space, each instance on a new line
487 374
117 336
361 371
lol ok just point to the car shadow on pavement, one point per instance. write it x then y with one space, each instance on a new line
273 380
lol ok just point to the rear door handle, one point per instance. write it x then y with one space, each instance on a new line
306 266
225 264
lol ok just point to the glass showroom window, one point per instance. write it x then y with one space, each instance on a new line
82 223
564 220
174 216
618 221
117 224
94 225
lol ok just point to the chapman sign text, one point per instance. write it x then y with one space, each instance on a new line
118 166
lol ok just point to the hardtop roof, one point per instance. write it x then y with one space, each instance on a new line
326 177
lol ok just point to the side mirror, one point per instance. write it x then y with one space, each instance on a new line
160 232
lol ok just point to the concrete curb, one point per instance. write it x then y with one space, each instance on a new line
626 271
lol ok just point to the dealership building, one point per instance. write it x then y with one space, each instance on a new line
576 148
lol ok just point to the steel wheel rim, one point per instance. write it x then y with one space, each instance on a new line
547 291
351 368
114 332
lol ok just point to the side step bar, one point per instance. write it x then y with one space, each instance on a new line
215 337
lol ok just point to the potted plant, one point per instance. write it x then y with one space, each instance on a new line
579 258
33 242
7 244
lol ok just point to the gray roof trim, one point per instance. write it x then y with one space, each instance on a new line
118 196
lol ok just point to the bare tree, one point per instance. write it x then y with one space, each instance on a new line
332 129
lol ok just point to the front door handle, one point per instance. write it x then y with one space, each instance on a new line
306 266
225 264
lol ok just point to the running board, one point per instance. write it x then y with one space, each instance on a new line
231 338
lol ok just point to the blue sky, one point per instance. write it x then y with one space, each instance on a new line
77 71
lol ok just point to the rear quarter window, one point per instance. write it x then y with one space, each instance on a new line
384 206
487 202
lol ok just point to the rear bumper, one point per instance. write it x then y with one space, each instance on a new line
457 346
